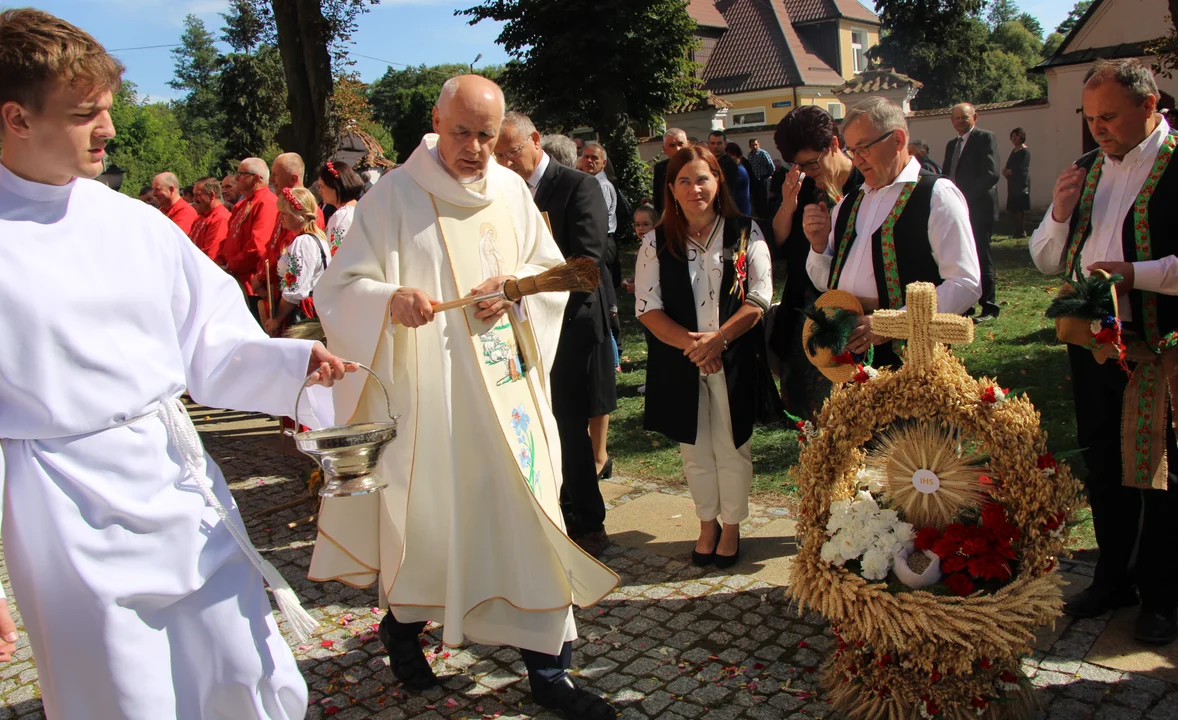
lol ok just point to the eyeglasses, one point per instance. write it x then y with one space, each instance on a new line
809 165
511 154
864 151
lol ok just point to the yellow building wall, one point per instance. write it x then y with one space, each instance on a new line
773 115
846 52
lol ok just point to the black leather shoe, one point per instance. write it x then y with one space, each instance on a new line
571 701
699 559
1097 600
971 312
726 561
985 318
1156 627
607 470
407 660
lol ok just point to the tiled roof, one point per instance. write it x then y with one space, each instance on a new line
1080 57
711 101
805 11
760 50
877 80
981 108
705 13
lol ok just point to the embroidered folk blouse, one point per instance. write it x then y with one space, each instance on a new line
300 267
338 226
705 267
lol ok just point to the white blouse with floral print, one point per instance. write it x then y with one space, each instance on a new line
338 226
300 266
705 267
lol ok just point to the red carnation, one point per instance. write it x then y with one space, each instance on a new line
925 537
861 376
993 515
979 703
1047 462
945 547
959 584
1009 677
974 546
952 564
1004 550
290 278
935 677
955 532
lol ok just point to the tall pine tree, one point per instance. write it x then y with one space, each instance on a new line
197 75
251 91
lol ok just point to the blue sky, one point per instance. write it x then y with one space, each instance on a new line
409 32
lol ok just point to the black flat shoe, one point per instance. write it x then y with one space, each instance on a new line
989 317
1156 627
699 559
407 660
726 561
607 470
1097 600
571 701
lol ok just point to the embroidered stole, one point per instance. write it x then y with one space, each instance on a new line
1153 385
482 243
887 246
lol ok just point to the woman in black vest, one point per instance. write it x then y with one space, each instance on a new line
703 280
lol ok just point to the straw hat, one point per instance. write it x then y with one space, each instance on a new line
1078 331
824 359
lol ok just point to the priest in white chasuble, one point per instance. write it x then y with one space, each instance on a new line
468 533
139 589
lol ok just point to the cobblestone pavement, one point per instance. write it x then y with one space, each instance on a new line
672 642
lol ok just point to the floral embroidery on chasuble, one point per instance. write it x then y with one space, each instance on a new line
502 361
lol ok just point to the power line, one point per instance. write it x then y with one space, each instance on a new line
145 47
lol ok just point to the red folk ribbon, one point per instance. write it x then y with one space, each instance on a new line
290 198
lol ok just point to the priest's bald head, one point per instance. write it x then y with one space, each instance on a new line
287 171
467 120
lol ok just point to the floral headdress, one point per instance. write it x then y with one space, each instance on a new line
290 198
331 169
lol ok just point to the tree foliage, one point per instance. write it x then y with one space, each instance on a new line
1074 16
252 99
1052 43
618 63
957 56
197 75
149 141
1030 22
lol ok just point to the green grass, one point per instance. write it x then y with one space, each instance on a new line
1019 350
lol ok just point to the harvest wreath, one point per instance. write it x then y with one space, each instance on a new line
931 517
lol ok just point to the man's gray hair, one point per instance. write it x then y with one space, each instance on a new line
924 148
599 146
674 132
883 114
560 148
258 167
968 108
519 123
1131 74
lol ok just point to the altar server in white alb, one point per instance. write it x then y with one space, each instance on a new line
469 532
140 592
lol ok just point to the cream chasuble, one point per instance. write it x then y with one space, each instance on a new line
469 532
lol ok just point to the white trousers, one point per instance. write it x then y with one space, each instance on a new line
719 474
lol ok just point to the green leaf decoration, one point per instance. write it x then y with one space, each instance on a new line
1091 299
832 328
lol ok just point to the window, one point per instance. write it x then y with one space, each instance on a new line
835 110
859 50
748 116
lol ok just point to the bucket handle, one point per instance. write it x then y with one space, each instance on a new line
306 383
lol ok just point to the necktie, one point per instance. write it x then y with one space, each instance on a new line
956 157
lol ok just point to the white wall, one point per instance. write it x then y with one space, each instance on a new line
1117 22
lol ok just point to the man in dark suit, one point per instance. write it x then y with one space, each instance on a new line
971 161
673 141
581 386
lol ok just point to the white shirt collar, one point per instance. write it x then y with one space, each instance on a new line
1148 150
910 174
541 168
965 137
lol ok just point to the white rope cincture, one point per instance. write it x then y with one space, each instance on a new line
183 433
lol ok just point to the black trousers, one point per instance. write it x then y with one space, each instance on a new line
542 667
1125 519
579 392
983 229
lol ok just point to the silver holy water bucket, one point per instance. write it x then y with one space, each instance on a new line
348 454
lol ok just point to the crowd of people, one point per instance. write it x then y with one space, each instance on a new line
492 521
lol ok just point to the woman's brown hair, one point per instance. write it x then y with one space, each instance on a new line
674 223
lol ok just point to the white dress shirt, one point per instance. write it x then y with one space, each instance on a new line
706 269
1116 192
611 201
541 168
949 233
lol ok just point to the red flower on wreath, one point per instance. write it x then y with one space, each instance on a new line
978 702
1048 464
959 584
925 537
953 563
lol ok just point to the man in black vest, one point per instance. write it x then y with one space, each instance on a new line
1094 224
673 141
971 161
583 384
911 225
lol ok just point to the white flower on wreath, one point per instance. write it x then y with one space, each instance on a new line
861 529
876 564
